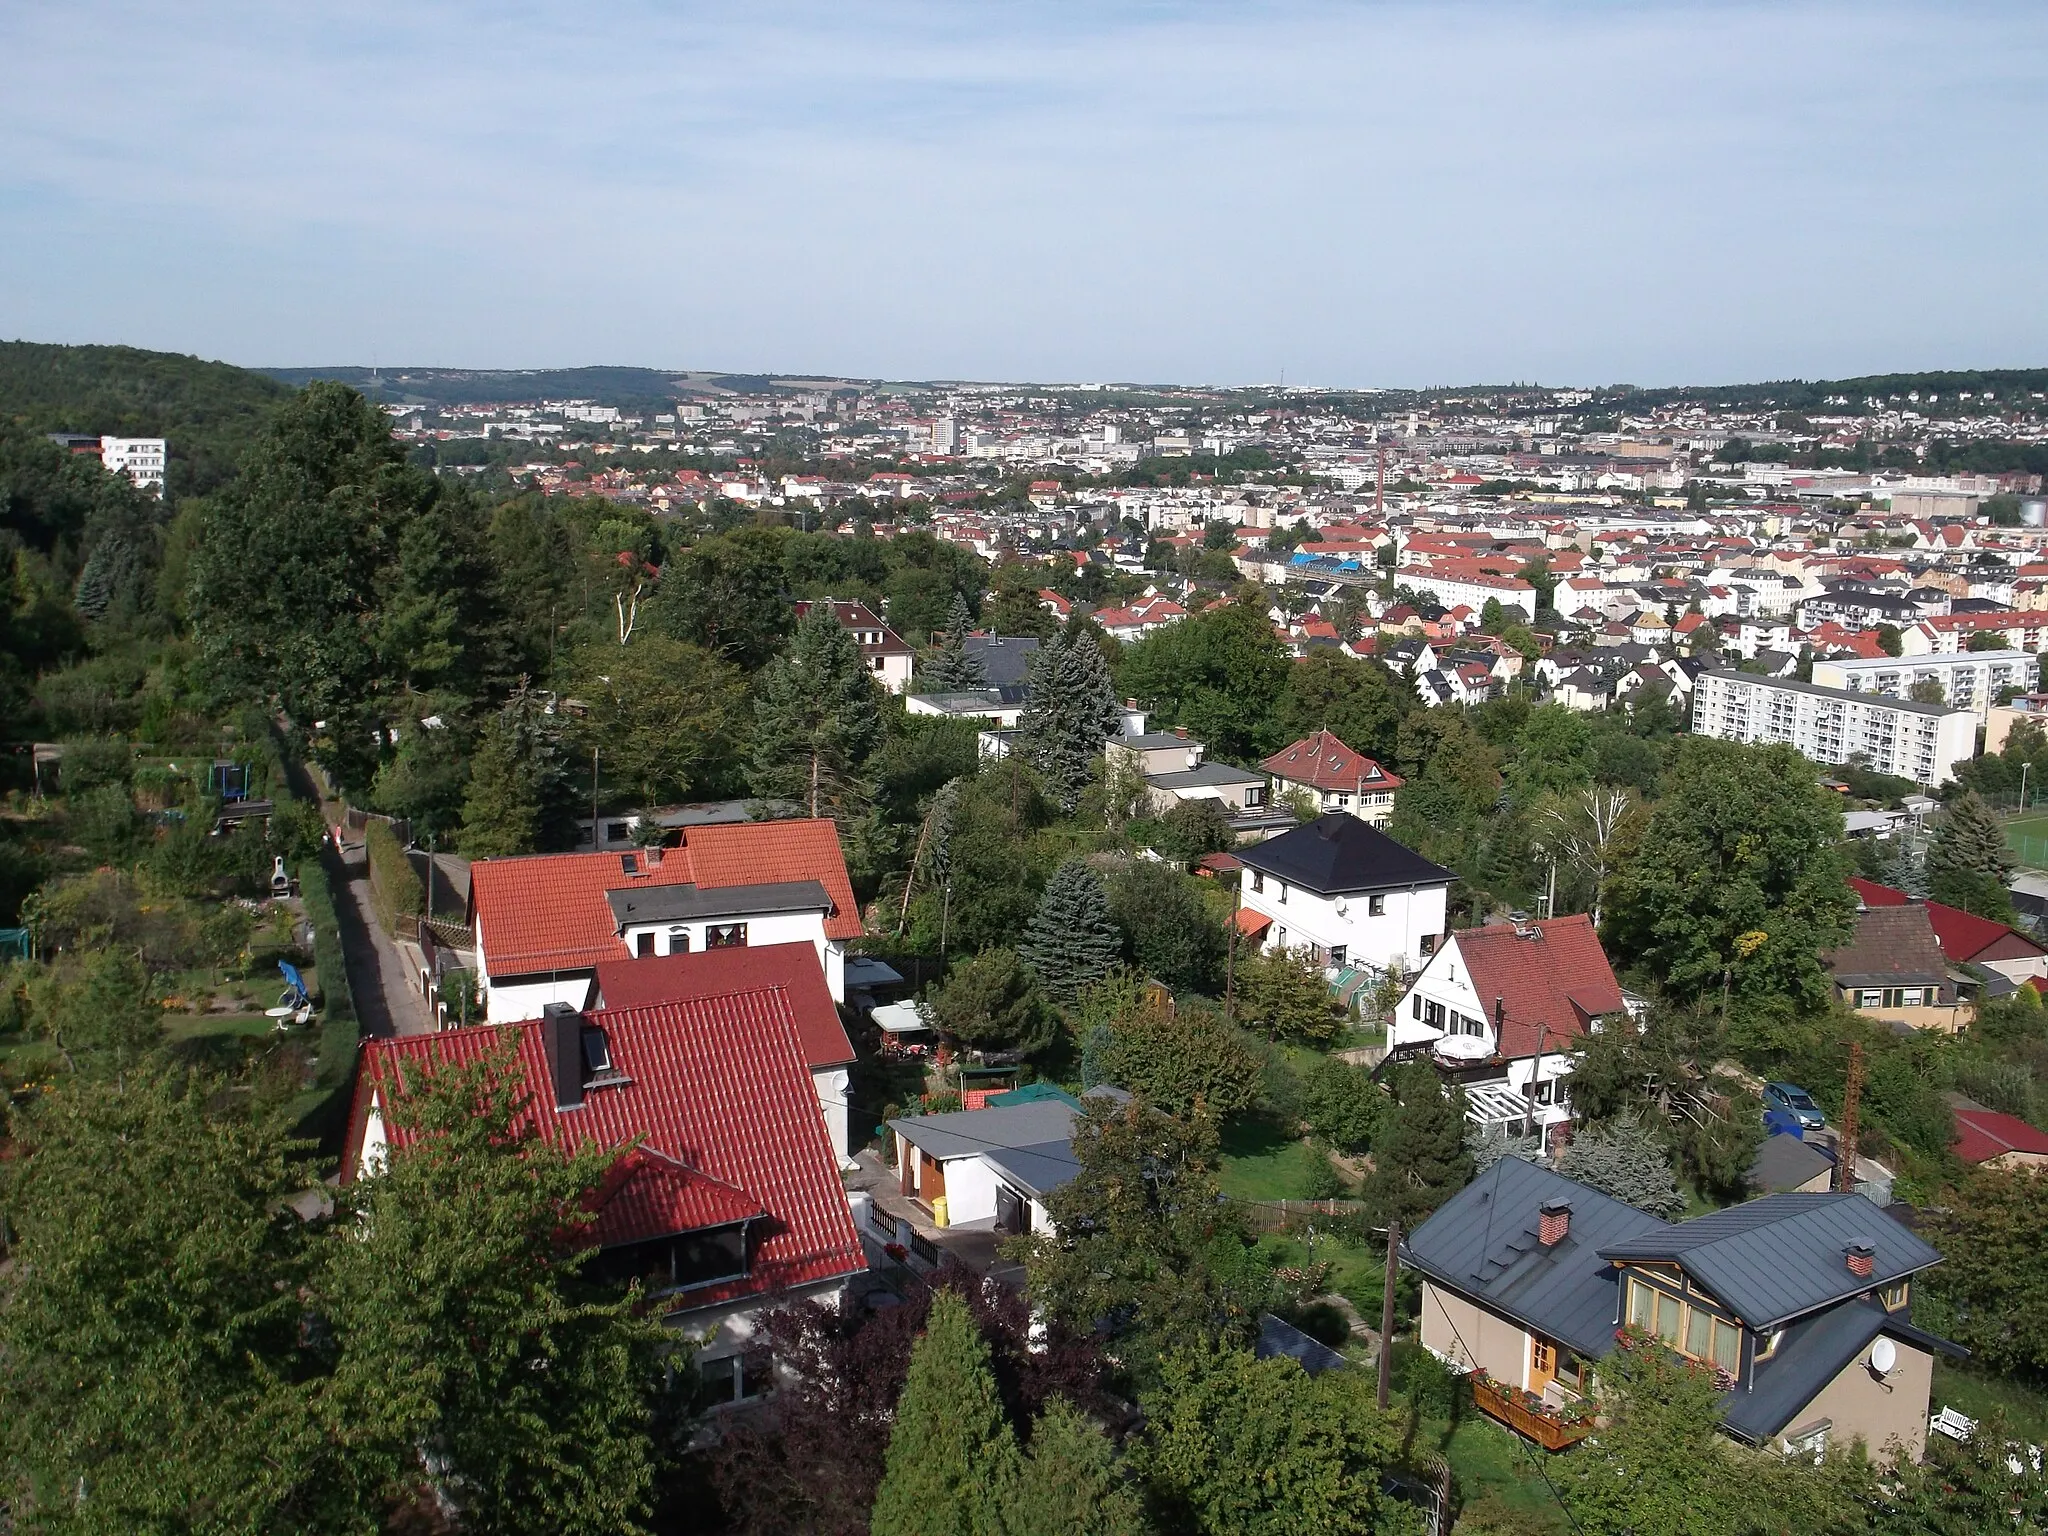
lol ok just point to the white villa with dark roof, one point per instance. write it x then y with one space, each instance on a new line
1347 893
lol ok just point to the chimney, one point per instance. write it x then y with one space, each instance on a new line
1553 1222
1181 731
1500 1016
654 855
1862 1259
562 1038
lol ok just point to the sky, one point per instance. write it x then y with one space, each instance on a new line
1346 194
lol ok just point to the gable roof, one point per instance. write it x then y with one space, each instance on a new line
714 1091
1780 1257
1963 936
1891 944
1338 853
1550 978
1784 1162
658 979
549 911
1982 1134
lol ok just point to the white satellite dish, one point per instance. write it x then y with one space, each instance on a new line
1463 1048
1884 1354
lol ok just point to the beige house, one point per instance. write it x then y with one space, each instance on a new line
1799 1304
1894 971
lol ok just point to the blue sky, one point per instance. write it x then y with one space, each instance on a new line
1346 194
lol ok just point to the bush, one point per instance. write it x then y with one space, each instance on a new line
395 887
1429 1384
338 1027
105 823
93 761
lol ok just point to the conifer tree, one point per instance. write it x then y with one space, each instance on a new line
1072 711
1071 1481
1071 941
1420 1159
1623 1159
518 781
952 1467
818 717
951 666
1968 863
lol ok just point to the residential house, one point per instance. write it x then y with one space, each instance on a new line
999 707
1004 659
1965 938
1993 1140
887 657
1344 891
1799 1304
1499 1009
1171 763
1893 969
1785 1163
545 922
1146 615
992 1167
1335 778
791 968
726 1196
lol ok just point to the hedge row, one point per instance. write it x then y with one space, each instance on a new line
338 1023
395 886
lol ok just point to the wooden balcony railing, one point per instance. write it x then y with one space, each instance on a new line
1514 1409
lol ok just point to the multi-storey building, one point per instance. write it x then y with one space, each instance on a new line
1969 680
1901 737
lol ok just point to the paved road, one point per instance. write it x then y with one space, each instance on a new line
377 977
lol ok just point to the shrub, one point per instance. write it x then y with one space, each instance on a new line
105 823
395 887
93 761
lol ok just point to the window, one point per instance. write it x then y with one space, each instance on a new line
1376 906
1433 1015
616 831
716 1253
725 936
643 944
1428 944
1416 999
734 1378
1894 1296
679 941
1258 880
1254 796
1283 893
630 863
1542 1358
1337 955
597 1052
1690 1330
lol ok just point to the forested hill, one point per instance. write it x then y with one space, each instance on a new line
209 411
637 388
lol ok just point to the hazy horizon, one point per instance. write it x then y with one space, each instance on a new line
1390 195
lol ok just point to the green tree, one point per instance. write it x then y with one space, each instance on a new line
1169 931
99 1011
1071 941
1193 828
1624 1159
518 781
1960 1488
153 1343
950 666
992 1003
726 593
1740 879
1182 1058
469 1339
660 713
818 718
1553 753
1659 1468
1420 1159
1342 1104
1145 1246
1220 673
1237 1446
1359 702
1993 1283
1283 992
1072 1482
1072 710
953 1465
1968 861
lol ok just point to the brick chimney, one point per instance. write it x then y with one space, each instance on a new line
1553 1222
562 1039
1181 731
1862 1260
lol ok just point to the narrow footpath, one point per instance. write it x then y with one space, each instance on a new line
385 1002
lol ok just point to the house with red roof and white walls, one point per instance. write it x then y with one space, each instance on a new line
725 1198
1500 1008
1335 777
544 922
889 659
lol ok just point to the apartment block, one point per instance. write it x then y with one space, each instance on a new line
1969 680
1921 742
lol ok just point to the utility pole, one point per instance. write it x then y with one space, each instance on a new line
596 842
1230 971
1845 1151
1387 1308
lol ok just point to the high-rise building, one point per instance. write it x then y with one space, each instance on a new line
141 459
1909 740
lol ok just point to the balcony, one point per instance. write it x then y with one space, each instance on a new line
1529 1416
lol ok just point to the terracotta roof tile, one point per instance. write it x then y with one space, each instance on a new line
1325 762
1551 977
707 973
1982 1134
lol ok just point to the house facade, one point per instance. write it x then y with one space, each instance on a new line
992 1168
889 660
1335 778
544 922
1893 970
1344 891
1499 1010
1798 1303
725 1197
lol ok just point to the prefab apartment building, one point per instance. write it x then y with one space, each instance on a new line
1921 742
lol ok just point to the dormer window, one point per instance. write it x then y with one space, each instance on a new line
630 863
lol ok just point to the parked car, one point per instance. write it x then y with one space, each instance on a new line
1793 1100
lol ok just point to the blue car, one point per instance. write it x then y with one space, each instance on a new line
1791 1099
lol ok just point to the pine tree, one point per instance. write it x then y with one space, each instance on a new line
1420 1159
1071 712
517 782
1968 862
1071 941
1489 1143
1623 1159
818 718
951 667
952 1466
1071 1481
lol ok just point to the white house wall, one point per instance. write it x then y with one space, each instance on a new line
526 998
1305 918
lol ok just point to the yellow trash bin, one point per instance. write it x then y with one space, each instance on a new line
939 1211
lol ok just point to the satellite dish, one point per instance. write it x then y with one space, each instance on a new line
1884 1354
1463 1048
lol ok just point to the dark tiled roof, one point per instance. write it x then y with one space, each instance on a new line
1892 944
1782 1256
1003 658
1337 853
1483 1242
1784 1162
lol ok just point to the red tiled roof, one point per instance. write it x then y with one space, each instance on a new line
1557 979
1251 924
1963 936
724 1113
547 911
1982 1134
707 973
1325 762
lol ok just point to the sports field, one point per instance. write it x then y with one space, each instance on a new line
2027 836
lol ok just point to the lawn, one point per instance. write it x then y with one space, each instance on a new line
2027 836
2026 1407
1262 1162
1494 1472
